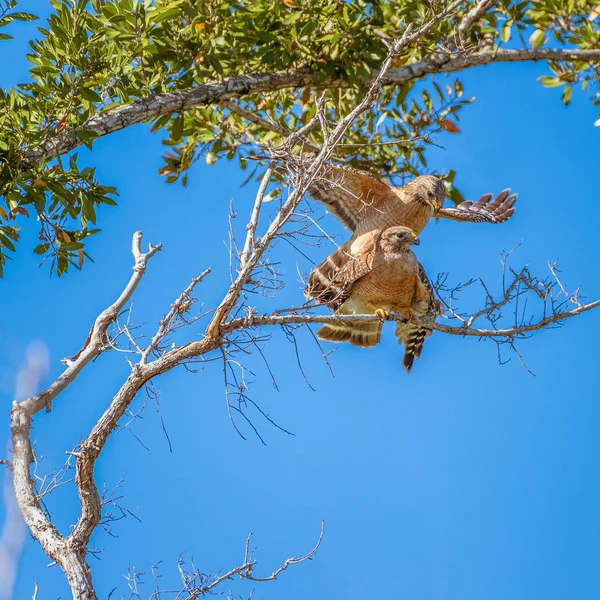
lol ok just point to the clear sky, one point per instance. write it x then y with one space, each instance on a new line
463 480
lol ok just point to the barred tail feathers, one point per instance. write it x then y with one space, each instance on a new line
413 338
335 332
364 334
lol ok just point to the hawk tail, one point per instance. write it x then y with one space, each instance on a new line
413 338
365 334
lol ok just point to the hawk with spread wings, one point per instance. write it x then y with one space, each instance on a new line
363 202
375 273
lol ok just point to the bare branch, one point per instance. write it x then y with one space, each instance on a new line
180 306
290 561
95 342
253 223
244 571
465 330
471 17
71 557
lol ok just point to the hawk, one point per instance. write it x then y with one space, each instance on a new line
363 202
375 273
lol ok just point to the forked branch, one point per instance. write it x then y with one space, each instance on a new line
159 357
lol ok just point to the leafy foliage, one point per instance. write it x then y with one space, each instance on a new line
93 56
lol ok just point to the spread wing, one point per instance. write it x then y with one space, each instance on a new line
358 198
331 282
483 211
352 196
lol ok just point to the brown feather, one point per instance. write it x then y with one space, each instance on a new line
376 270
331 282
412 335
364 334
363 202
483 211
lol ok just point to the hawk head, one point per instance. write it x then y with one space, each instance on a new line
427 189
397 239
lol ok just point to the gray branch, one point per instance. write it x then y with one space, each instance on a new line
239 86
95 341
472 16
462 330
69 553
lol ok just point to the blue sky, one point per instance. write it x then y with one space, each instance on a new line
464 479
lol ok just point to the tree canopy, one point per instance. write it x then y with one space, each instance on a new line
221 80
284 89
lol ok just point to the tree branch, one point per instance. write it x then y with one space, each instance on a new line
463 330
70 552
95 341
70 556
242 85
471 17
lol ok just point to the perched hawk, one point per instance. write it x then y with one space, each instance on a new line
375 273
362 202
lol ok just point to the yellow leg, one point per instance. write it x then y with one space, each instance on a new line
382 314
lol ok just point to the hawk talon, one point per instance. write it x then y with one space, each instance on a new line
382 314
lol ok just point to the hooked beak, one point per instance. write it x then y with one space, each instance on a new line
416 241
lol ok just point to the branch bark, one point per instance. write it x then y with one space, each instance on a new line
94 344
215 92
69 553
463 330
472 16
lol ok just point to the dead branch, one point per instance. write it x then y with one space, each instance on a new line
65 551
464 330
197 584
255 271
95 342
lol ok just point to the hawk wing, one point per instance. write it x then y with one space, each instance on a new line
425 306
331 282
356 197
482 211
351 195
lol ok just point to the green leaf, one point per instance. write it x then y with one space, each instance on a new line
537 38
566 96
160 16
23 16
4 241
177 131
71 246
90 95
550 82
455 196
